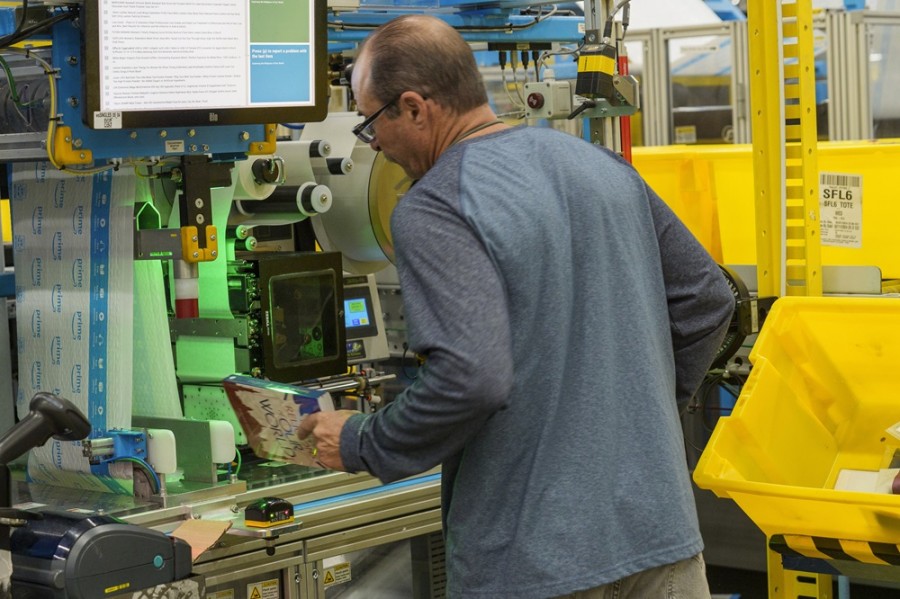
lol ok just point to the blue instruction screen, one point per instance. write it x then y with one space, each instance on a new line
356 313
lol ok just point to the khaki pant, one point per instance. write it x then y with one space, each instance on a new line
682 580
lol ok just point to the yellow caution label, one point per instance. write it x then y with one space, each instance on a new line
266 589
337 574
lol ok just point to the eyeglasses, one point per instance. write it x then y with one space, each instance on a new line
364 130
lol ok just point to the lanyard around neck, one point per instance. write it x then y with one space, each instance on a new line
473 130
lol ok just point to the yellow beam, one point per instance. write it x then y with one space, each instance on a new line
766 107
782 94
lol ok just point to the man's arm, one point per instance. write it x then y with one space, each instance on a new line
700 302
456 315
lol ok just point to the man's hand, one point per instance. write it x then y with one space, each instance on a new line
326 427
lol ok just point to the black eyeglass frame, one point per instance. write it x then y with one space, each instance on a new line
363 130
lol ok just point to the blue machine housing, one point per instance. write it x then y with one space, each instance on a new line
225 142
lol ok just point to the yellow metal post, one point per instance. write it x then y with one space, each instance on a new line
791 584
784 147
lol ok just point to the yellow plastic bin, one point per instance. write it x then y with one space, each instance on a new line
825 386
711 189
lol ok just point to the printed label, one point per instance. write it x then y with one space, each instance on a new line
107 120
840 209
686 134
175 146
266 589
337 574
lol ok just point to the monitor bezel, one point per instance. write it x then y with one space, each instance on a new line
276 264
206 116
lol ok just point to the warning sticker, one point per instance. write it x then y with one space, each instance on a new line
840 209
226 594
337 574
266 589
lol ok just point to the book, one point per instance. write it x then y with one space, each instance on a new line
270 414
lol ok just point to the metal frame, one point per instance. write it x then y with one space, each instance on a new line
656 93
850 114
647 99
850 109
740 95
7 398
24 146
294 553
658 86
858 35
319 549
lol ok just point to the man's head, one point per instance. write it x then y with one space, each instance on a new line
422 74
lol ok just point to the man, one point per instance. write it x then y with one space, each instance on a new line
563 310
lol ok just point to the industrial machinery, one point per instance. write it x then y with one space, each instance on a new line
180 250
183 211
62 554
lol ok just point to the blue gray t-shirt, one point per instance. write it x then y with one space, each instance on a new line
563 310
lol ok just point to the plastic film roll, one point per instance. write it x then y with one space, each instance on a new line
287 205
299 156
251 178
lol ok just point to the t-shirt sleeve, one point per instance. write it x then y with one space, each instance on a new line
454 302
699 299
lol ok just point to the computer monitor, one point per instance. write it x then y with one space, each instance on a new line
166 63
301 300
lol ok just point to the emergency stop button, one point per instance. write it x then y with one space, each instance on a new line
535 100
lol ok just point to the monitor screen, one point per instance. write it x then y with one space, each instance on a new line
358 317
356 313
301 306
301 300
165 63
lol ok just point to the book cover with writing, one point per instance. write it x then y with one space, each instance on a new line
270 414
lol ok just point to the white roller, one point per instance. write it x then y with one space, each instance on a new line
161 453
314 199
222 440
246 185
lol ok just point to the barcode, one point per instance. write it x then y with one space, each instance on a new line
841 180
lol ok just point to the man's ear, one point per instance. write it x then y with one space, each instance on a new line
413 104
